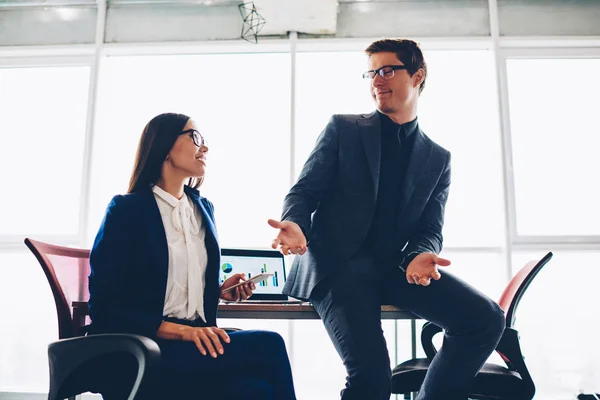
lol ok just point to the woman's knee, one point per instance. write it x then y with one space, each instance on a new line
266 338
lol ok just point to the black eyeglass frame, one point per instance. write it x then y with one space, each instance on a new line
372 73
196 136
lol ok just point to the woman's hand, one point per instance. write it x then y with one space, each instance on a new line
206 339
241 292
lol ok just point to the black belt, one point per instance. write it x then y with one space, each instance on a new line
197 323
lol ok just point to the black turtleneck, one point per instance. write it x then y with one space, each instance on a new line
396 146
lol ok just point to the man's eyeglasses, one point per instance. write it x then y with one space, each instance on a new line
196 136
386 72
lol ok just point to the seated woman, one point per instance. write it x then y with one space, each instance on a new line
155 272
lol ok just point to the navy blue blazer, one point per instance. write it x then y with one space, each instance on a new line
339 183
129 263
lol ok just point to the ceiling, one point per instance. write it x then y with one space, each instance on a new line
46 22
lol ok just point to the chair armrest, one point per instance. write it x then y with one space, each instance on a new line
231 329
67 355
428 331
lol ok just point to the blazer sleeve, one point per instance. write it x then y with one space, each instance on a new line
315 178
427 237
112 306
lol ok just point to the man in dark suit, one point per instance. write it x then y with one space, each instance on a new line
365 218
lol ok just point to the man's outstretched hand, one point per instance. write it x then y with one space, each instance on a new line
290 239
423 268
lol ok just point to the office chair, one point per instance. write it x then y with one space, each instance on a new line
79 363
497 382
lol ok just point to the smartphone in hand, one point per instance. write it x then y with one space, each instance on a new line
256 279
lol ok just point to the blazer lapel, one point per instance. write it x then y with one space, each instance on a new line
418 163
370 133
211 292
211 229
157 238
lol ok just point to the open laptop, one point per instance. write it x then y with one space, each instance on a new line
253 262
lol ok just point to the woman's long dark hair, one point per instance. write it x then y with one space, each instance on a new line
156 142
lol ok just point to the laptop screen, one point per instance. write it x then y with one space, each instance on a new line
254 262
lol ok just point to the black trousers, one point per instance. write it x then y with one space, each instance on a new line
349 305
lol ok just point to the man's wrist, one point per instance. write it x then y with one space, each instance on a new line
408 259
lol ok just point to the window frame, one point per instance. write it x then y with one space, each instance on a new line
516 51
36 59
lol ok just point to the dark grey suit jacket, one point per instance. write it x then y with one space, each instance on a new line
334 199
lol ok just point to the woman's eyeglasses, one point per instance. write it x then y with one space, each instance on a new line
196 136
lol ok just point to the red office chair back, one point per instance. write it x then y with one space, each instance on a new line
67 271
509 301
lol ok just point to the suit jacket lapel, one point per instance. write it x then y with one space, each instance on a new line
418 163
211 293
157 238
210 225
370 133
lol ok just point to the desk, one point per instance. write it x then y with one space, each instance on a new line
306 311
291 311
274 311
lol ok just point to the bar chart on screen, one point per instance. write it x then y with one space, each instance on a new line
252 266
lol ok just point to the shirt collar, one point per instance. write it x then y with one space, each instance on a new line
168 197
404 130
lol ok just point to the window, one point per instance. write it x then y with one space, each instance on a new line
555 135
241 103
43 122
459 111
327 83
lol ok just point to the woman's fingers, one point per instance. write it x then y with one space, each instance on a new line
216 342
246 291
222 334
198 342
207 342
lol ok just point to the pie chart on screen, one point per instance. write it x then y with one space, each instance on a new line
227 268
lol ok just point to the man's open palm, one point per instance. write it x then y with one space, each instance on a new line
423 268
290 238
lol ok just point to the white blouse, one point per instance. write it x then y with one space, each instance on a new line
188 259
